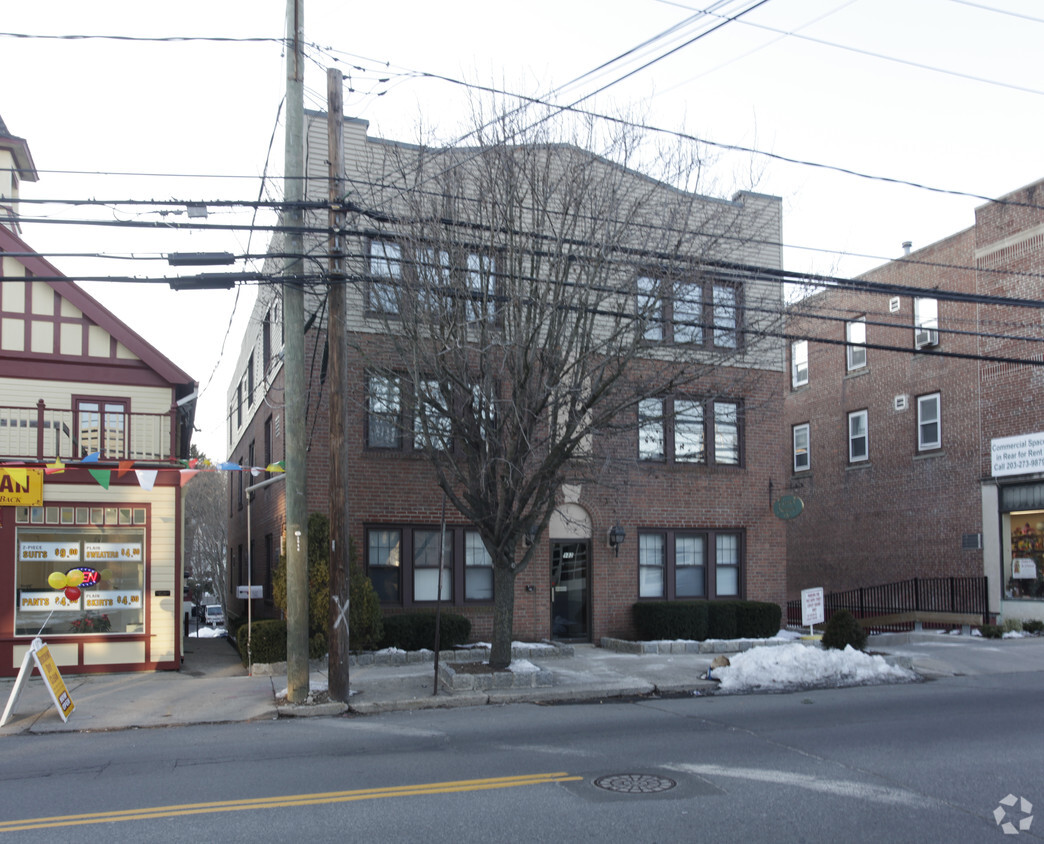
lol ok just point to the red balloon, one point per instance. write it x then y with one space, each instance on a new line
72 593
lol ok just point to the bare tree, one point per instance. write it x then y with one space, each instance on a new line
524 287
206 531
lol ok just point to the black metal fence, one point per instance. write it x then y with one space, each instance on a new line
921 594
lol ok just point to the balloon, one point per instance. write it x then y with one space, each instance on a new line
72 593
57 580
106 574
75 577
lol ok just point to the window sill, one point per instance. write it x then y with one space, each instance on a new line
928 454
862 464
856 373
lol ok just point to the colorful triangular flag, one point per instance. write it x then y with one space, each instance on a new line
101 476
146 478
124 467
55 468
92 458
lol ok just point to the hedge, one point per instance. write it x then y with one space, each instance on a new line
701 620
267 641
416 630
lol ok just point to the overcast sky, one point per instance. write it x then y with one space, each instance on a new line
946 94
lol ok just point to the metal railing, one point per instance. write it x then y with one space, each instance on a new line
44 433
920 594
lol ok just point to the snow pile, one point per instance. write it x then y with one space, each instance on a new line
796 666
208 633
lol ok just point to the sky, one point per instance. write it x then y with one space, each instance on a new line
876 121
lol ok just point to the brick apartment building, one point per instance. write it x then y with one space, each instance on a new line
902 404
696 520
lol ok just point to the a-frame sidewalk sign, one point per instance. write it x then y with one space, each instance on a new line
40 655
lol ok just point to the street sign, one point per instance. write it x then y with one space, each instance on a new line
250 591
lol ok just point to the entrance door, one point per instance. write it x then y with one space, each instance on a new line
569 605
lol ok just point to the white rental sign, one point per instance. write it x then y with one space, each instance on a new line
812 607
1021 455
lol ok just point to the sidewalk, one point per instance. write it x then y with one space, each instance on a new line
213 686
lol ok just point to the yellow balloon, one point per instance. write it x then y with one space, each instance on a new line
57 580
74 578
106 574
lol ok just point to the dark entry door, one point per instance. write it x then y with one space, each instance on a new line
570 572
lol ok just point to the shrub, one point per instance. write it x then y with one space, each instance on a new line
415 631
844 629
364 613
721 620
991 631
267 641
365 620
1033 626
1012 625
757 619
671 620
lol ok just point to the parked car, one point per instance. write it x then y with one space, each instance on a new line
214 615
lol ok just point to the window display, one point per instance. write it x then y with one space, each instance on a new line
1024 567
80 581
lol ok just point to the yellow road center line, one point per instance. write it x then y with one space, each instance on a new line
285 801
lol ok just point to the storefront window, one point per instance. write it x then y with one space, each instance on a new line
1024 566
109 561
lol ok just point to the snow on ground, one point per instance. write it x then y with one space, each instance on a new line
794 666
208 633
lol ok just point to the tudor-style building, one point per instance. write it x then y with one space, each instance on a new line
93 424
687 475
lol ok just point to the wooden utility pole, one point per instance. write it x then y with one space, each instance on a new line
295 393
337 380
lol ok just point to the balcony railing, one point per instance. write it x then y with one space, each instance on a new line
45 433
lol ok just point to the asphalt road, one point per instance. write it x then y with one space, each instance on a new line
921 762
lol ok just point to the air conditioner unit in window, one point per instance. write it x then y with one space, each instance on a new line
926 337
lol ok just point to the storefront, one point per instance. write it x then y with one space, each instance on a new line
1013 527
93 579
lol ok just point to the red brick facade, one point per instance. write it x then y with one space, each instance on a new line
910 511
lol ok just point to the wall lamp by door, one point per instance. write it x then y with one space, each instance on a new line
616 538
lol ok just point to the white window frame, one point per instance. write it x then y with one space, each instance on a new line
385 263
799 363
652 434
858 430
925 422
926 322
802 450
855 343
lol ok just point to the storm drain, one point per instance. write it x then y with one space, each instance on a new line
635 783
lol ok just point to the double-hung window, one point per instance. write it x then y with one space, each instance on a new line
929 422
384 563
383 412
855 343
725 321
802 456
478 568
858 437
652 426
429 566
480 280
798 363
686 564
926 322
431 421
385 276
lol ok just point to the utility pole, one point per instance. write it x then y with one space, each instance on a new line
293 366
337 674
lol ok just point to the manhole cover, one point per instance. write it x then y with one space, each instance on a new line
635 783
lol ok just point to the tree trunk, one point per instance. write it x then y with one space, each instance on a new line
503 616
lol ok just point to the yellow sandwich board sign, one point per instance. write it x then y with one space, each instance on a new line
41 656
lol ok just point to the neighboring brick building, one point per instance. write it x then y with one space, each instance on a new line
891 439
697 522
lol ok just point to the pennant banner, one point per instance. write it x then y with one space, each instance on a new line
146 478
102 476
